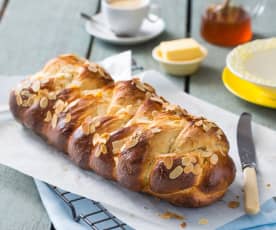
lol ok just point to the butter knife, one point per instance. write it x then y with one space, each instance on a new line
248 162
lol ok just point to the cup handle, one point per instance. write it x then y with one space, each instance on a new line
154 13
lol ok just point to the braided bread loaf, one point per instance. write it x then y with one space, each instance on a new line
125 132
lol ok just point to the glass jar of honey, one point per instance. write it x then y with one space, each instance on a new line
226 24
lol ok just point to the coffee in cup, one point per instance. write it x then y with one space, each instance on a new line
125 17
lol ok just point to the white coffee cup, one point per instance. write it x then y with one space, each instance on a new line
128 20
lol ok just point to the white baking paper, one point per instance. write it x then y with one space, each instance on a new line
27 153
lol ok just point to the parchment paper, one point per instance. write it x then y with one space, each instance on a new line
27 153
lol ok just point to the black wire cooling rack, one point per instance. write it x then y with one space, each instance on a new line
94 215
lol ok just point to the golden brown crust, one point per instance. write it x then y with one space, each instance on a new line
125 132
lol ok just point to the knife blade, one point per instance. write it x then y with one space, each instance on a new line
246 146
247 155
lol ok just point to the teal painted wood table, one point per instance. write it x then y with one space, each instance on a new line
33 31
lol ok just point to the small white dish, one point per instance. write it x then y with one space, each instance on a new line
179 68
99 29
255 62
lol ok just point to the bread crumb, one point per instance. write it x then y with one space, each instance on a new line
233 204
171 215
268 185
237 197
183 225
203 221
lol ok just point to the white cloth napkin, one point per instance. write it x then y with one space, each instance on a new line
41 161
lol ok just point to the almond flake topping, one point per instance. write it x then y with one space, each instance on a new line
168 162
25 93
100 139
219 134
185 161
140 85
31 100
92 67
44 80
19 100
68 118
52 96
189 168
54 121
199 123
133 140
48 117
98 151
85 128
155 130
205 154
36 86
59 106
116 145
197 169
157 99
203 221
43 102
178 170
214 159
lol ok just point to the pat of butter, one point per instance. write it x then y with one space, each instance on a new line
180 50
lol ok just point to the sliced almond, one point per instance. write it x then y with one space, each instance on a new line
140 85
68 118
43 102
205 154
44 80
168 162
203 221
148 87
199 123
219 134
48 117
19 100
85 128
178 170
54 121
25 93
59 106
92 128
92 67
36 86
155 130
31 100
186 161
116 145
197 169
52 96
214 159
157 99
103 148
98 151
189 168
100 139
193 159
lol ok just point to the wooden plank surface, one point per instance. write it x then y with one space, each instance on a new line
207 84
174 14
31 34
35 31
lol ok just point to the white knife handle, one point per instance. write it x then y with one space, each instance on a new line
251 193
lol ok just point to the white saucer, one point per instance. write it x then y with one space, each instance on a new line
99 29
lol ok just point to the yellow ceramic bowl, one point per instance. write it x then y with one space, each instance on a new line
255 62
179 68
246 90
